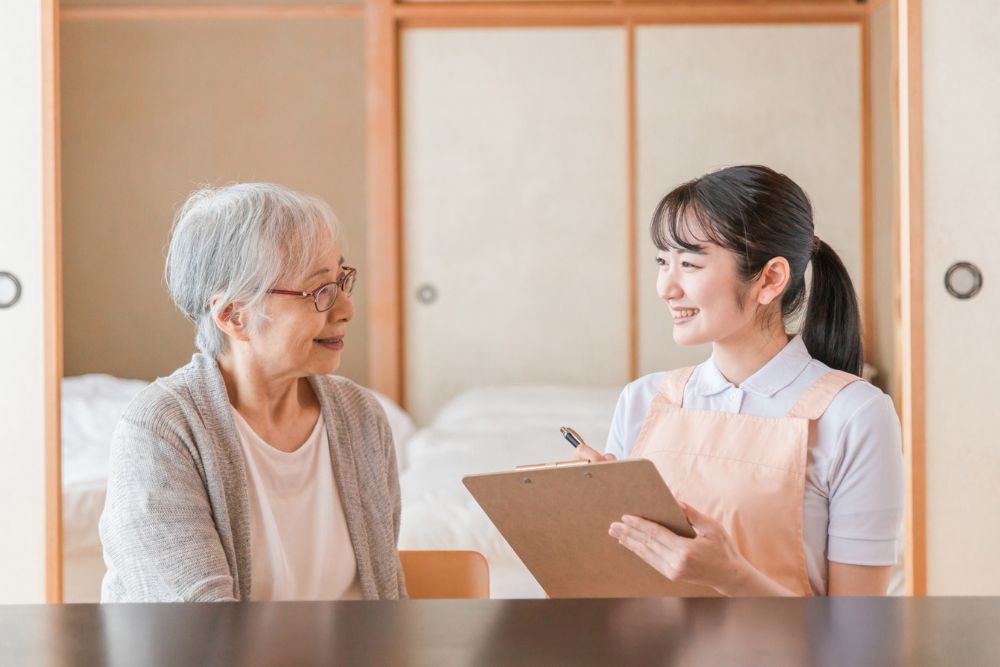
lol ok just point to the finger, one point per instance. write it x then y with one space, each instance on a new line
587 453
660 534
651 552
610 457
701 523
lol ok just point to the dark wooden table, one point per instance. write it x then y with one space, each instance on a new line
820 631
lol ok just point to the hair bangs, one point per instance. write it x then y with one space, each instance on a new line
682 225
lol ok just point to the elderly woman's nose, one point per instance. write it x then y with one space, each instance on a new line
343 309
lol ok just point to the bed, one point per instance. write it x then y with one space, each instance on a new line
481 430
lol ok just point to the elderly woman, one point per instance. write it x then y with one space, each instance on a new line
252 473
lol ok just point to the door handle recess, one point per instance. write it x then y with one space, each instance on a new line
963 280
10 289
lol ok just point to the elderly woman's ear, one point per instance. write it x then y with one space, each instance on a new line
231 321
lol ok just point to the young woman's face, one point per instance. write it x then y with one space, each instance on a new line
704 292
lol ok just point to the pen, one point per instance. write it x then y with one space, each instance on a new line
572 437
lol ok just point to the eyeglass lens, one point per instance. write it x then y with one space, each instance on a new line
328 294
325 297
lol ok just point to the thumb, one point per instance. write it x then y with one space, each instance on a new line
700 522
587 453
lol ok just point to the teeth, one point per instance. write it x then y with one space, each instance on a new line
690 312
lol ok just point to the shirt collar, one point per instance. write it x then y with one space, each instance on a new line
774 376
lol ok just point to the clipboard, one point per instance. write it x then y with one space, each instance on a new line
556 518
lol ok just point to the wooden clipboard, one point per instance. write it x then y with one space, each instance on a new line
556 518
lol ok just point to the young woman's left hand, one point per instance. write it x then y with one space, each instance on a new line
709 559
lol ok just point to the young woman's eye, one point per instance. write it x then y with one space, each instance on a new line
661 261
689 265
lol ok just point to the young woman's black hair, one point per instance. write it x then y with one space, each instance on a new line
759 214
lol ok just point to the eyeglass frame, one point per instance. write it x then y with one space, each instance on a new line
349 273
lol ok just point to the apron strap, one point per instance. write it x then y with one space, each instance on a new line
672 387
818 397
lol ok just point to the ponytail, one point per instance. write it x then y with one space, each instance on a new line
832 326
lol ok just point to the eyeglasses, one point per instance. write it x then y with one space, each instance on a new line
325 296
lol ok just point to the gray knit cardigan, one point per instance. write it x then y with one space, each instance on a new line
176 522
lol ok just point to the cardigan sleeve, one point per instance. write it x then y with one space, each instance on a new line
160 540
392 484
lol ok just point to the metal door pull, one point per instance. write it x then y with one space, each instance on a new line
10 289
963 280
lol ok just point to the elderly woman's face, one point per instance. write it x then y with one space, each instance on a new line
299 340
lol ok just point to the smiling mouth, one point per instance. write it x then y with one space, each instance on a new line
331 343
685 313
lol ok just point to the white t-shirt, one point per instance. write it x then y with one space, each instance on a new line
300 547
853 507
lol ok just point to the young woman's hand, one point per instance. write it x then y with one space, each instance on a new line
709 559
585 453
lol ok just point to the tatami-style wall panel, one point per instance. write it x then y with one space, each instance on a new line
961 98
786 96
151 110
514 179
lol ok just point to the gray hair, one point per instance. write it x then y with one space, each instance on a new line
237 242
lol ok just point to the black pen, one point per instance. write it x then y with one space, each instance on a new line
572 437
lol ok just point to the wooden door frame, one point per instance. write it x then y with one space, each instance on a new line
911 346
52 347
386 19
52 16
384 22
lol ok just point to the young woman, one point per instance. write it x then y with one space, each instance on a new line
788 464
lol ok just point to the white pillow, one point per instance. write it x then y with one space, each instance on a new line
91 407
401 424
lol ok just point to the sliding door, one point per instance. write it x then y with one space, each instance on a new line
26 410
962 206
514 209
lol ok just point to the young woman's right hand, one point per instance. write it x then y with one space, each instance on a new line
585 453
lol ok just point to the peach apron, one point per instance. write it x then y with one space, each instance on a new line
747 472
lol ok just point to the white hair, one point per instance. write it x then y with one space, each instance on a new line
236 242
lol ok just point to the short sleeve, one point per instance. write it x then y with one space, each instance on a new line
867 487
618 435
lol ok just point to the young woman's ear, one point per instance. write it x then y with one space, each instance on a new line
231 321
773 280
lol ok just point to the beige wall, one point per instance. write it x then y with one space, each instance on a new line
152 109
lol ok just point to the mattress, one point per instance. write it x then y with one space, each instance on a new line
482 430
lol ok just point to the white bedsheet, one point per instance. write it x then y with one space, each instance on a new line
487 430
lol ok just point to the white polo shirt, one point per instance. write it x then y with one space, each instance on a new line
853 507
